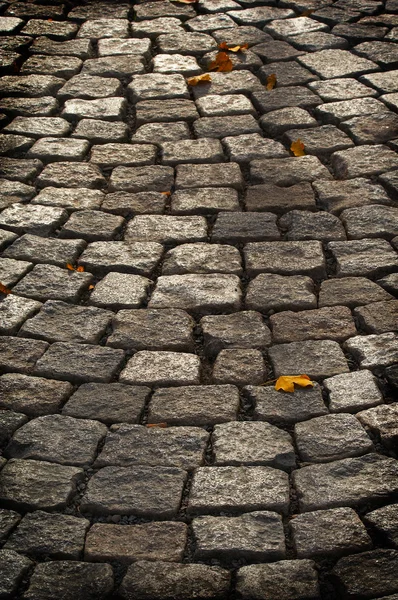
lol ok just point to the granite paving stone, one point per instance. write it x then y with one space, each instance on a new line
334 196
166 229
378 317
286 97
150 367
162 541
152 178
14 145
98 131
382 420
368 573
351 392
202 258
114 66
384 521
33 396
65 174
286 172
38 249
171 63
113 155
286 258
239 330
30 85
370 221
304 225
122 46
8 521
108 109
20 355
104 28
11 271
247 147
14 310
203 150
343 88
92 226
157 133
271 197
336 63
365 257
317 358
374 351
127 204
239 366
270 292
50 149
252 536
70 198
45 282
57 66
148 111
120 290
343 110
91 401
196 405
139 257
194 176
14 569
334 323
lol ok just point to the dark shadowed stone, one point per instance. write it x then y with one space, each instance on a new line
20 355
127 544
378 317
347 482
385 522
369 574
142 491
9 519
285 258
13 569
351 292
334 323
9 422
42 534
155 581
34 396
70 580
32 484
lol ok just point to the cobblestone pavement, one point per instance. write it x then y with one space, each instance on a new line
167 254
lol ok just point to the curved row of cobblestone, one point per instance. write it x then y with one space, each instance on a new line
166 255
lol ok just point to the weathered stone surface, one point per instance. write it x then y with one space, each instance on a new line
245 227
114 66
142 491
186 43
120 46
8 521
278 98
154 581
383 421
347 88
80 363
72 579
228 104
157 133
243 489
332 532
221 127
152 329
14 568
286 258
108 109
20 355
286 580
203 150
363 160
240 330
166 229
37 249
99 131
30 85
152 28
9 422
113 155
34 396
49 282
338 112
91 401
128 544
43 534
14 169
277 122
39 220
32 484
370 221
193 176
367 257
92 225
102 257
374 351
271 292
198 293
161 368
351 292
14 145
127 204
14 311
351 392
58 439
385 521
336 63
270 197
248 147
79 48
334 323
202 258
104 28
302 225
120 290
239 366
300 406
246 443
331 437
369 574
131 445
157 86
142 179
378 317
285 172
318 359
165 110
252 536
347 482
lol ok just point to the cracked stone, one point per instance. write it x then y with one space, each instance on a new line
252 536
91 401
194 405
141 490
79 363
161 368
243 489
319 358
130 445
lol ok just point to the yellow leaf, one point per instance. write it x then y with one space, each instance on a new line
286 382
166 193
162 425
70 267
199 79
4 289
91 287
221 63
80 269
297 148
271 81
237 48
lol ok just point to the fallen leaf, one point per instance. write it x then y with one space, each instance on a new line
199 79
221 63
80 269
50 20
72 268
91 287
286 382
163 425
297 148
237 48
166 193
271 81
4 289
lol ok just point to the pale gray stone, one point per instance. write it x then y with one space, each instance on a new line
202 258
131 46
157 133
383 421
285 172
248 147
277 122
227 104
336 63
120 290
152 28
340 112
271 292
363 161
76 175
186 43
350 392
44 45
174 63
378 317
374 351
162 368
90 87
286 258
304 225
30 85
47 282
271 197
70 198
155 178
52 149
245 227
108 109
12 270
370 221
203 150
49 250
14 310
102 257
194 176
38 126
205 200
243 489
39 220
343 88
113 155
156 86
239 366
166 229
98 131
104 28
318 358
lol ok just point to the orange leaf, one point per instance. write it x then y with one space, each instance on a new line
166 193
297 148
238 48
286 382
91 287
163 425
271 81
4 289
199 79
70 267
221 63
80 269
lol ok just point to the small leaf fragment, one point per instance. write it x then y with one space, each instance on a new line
162 425
306 13
91 287
70 267
237 48
287 382
222 63
166 193
199 79
297 148
80 269
4 289
271 81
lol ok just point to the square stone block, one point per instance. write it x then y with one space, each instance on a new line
100 132
252 536
204 201
157 86
14 310
152 329
238 489
14 569
384 521
159 111
142 491
228 104
76 175
304 225
318 359
194 405
157 133
368 573
239 366
33 396
240 330
203 150
113 155
19 354
152 178
120 290
252 443
378 317
127 204
130 445
354 391
32 484
161 368
91 401
335 196
106 109
245 227
333 532
92 226
270 197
